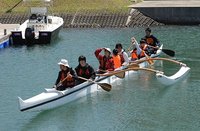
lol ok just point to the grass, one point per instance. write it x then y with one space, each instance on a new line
70 5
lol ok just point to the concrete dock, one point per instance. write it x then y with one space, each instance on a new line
5 31
176 12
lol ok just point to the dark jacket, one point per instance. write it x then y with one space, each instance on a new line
86 72
69 82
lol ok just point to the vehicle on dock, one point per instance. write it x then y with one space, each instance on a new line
40 28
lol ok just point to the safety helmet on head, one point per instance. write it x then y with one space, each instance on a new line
82 58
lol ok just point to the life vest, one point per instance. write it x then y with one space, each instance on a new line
122 57
106 63
150 41
134 55
142 54
69 82
117 61
84 73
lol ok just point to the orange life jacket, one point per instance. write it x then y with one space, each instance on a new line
117 61
142 52
134 55
150 41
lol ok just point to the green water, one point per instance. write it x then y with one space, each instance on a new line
135 103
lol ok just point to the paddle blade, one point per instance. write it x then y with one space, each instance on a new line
120 75
169 52
133 65
105 86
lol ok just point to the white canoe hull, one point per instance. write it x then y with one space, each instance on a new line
52 98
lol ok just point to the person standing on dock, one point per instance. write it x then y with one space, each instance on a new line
151 40
105 61
122 53
84 70
66 76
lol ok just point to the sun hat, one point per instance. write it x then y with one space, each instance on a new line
63 62
108 49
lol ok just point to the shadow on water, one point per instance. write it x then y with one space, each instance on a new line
31 46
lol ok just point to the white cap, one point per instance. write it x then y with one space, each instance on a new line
108 49
63 62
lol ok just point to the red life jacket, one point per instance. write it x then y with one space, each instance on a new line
106 63
69 82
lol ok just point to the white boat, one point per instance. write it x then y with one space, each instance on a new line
52 98
40 28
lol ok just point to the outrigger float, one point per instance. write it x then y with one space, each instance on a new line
52 98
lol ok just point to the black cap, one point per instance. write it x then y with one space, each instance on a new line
118 45
148 29
142 41
82 58
115 51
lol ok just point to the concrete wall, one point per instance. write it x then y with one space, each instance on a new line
171 15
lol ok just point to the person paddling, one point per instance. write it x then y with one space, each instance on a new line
105 61
116 59
84 70
66 76
151 40
122 53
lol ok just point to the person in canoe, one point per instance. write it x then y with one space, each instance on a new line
151 40
84 70
105 61
122 53
66 76
116 59
139 50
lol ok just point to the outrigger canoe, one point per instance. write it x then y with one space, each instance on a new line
52 98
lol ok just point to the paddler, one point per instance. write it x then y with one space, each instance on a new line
66 76
116 59
84 70
105 61
122 53
151 40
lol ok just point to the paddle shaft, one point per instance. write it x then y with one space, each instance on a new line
165 59
105 86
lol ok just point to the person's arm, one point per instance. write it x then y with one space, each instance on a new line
97 53
126 60
58 79
157 42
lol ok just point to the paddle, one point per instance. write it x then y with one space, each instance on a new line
105 86
148 58
119 75
166 51
165 59
133 68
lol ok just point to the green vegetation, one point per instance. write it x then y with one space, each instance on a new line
70 5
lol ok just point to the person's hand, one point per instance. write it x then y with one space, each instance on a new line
133 40
54 86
